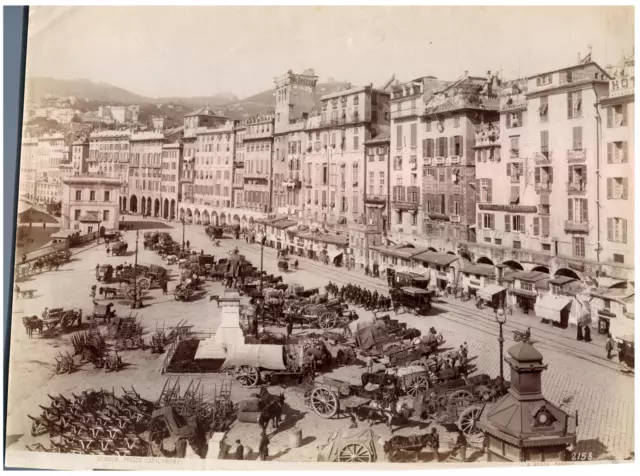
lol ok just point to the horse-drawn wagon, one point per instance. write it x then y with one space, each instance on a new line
104 274
412 299
324 315
353 446
60 317
103 311
119 248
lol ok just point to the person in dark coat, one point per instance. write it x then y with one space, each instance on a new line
579 336
163 286
289 327
587 333
461 445
239 451
263 449
435 443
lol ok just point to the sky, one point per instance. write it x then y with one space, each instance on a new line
199 51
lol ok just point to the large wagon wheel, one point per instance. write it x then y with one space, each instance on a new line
355 453
416 384
144 283
247 376
461 398
324 402
67 319
327 320
419 363
392 348
468 419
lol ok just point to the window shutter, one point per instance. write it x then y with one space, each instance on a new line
569 105
424 148
625 109
577 138
624 152
609 188
537 175
479 224
448 174
545 226
452 146
493 221
578 104
625 187
570 209
585 211
522 224
610 116
550 175
478 185
544 140
399 136
508 170
610 229
444 146
507 223
489 193
520 119
508 121
451 211
624 231
536 226
414 135
609 152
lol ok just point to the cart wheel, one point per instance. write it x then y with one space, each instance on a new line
327 320
392 348
324 402
416 385
355 453
461 398
468 419
247 376
419 363
144 283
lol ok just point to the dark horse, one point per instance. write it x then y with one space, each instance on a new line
272 411
412 443
32 323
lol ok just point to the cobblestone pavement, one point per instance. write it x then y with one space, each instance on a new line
578 377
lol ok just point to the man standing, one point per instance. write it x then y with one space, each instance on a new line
163 285
368 360
435 443
239 451
609 346
289 327
263 449
461 445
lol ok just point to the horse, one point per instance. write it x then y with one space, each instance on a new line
107 291
388 410
272 411
37 265
31 323
412 443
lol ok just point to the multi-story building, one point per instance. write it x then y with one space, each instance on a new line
90 203
109 155
145 173
258 150
377 170
238 166
616 169
290 201
203 117
215 148
170 179
452 116
28 167
125 114
53 153
79 156
295 99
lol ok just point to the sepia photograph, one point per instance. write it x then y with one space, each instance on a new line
354 237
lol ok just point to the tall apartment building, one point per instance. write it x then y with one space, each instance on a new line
616 167
258 163
79 156
51 165
109 156
291 201
237 185
170 179
145 173
90 203
554 213
295 99
215 149
28 167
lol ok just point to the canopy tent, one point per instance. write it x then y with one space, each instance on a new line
550 306
489 291
265 356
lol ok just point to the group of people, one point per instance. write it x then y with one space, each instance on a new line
263 449
359 296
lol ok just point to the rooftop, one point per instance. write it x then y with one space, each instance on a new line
91 178
147 135
524 352
204 111
440 259
109 134
379 139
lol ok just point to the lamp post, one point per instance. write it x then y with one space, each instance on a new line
262 241
501 318
182 220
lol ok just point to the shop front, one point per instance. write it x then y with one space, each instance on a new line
494 295
554 309
524 299
604 321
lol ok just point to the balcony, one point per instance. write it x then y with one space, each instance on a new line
404 205
513 103
455 160
543 157
440 160
576 155
576 226
514 153
426 160
410 112
375 199
545 239
576 187
454 218
543 187
292 183
259 135
543 210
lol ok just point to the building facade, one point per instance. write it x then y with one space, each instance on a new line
145 173
80 156
28 167
109 155
237 185
258 162
170 179
90 203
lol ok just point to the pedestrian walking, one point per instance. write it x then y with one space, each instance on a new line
263 449
461 446
163 285
188 244
609 346
435 443
587 333
93 292
239 451
289 327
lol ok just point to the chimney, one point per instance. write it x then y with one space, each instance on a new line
466 74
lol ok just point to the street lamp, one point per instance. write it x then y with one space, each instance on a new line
182 220
136 304
501 318
262 242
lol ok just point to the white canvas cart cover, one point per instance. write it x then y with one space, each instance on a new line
361 323
550 306
260 356
338 440
489 291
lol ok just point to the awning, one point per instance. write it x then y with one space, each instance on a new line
523 293
550 306
334 254
489 291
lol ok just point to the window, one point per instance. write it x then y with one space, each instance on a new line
514 119
414 136
498 241
487 221
485 190
92 195
76 215
414 219
617 230
343 206
456 120
574 104
428 125
399 136
356 143
487 239
578 247
371 182
618 258
617 152
107 195
105 215
456 146
382 186
441 175
577 210
517 244
399 215
515 146
544 109
577 177
617 188
543 80
427 148
78 195
514 223
526 286
355 204
617 116
414 179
